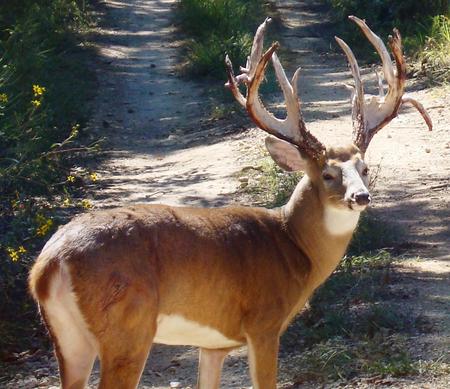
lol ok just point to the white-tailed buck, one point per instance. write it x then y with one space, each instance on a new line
111 283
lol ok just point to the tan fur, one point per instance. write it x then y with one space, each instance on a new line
233 275
245 272
210 366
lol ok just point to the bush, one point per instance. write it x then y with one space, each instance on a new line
44 85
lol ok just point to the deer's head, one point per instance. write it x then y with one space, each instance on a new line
339 174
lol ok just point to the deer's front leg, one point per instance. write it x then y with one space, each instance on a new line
263 359
210 368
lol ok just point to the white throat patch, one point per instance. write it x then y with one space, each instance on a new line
340 221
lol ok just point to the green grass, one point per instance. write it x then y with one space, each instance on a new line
216 28
353 302
435 55
266 184
340 359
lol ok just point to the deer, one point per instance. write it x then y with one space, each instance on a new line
110 283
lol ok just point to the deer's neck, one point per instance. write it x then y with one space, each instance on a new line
320 231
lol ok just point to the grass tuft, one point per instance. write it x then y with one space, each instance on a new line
435 56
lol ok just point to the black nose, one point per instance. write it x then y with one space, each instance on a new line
362 198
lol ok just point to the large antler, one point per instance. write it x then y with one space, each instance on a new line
292 129
371 113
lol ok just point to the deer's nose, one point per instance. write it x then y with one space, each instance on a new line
361 198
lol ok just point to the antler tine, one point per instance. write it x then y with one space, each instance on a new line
232 83
291 129
420 108
357 97
388 68
372 113
380 83
250 67
257 46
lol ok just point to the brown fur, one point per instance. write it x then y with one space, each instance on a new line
245 272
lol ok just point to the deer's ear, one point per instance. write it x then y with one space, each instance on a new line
286 155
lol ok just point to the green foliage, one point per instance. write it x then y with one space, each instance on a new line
424 26
43 89
219 27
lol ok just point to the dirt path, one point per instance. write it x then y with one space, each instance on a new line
158 146
162 149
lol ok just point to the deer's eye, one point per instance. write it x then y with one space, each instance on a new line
327 177
365 171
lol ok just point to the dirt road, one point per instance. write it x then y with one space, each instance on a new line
163 149
159 146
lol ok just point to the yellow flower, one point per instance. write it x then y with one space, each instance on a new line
36 103
38 90
66 202
43 229
86 204
71 178
22 250
93 176
13 254
3 98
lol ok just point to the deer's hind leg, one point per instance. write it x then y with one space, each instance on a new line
125 337
123 359
75 345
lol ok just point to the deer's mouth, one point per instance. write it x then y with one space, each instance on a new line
352 205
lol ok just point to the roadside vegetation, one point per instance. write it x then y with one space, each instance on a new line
44 86
359 323
424 25
216 28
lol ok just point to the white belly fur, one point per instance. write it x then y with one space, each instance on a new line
176 330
